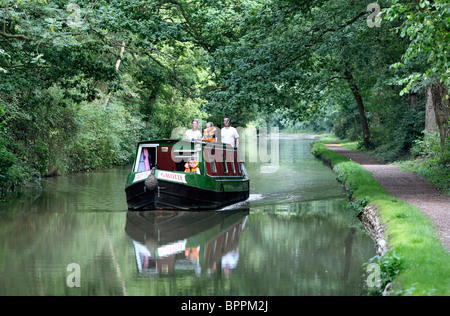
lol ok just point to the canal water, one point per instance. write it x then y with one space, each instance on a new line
294 236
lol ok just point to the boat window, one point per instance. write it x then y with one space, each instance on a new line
212 161
224 162
237 166
180 166
231 158
185 155
147 158
182 156
237 163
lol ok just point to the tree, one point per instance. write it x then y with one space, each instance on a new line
58 67
427 26
291 51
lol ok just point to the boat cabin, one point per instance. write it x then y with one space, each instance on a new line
215 159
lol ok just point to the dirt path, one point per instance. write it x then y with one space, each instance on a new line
409 187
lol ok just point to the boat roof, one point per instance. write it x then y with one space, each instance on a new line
161 140
167 141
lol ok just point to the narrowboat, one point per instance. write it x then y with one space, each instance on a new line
159 177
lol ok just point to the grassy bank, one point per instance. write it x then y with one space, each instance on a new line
416 263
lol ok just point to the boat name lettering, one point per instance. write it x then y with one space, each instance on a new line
141 176
172 248
177 177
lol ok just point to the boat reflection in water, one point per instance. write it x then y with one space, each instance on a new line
169 241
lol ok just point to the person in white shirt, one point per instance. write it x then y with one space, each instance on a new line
193 133
229 134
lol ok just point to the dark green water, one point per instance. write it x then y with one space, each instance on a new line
293 237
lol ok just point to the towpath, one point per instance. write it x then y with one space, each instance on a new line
409 187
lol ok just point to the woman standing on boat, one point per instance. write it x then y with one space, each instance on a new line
209 134
193 133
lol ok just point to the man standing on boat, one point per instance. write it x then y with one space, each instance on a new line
229 134
193 133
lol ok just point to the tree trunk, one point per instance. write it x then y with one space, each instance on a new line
122 49
442 111
430 116
356 123
361 109
413 101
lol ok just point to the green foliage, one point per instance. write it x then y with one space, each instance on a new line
358 204
391 265
107 136
429 146
425 24
7 160
429 161
402 127
65 102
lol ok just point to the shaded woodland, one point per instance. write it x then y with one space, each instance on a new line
81 82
